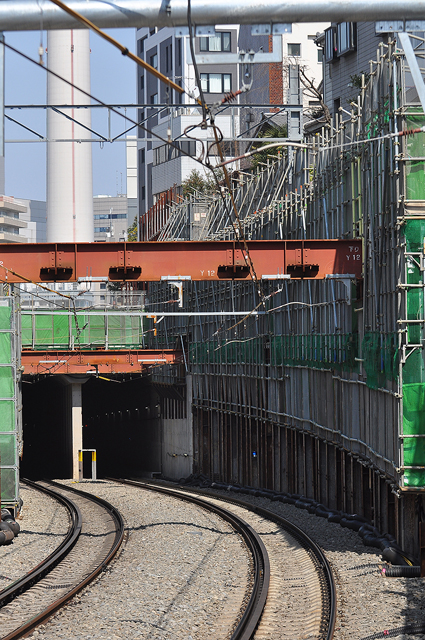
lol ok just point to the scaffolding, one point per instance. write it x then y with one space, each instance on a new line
359 344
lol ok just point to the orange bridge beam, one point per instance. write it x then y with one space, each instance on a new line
153 261
112 361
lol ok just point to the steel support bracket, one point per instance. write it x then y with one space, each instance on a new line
396 26
346 280
413 65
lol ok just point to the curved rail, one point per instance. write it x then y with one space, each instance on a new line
329 596
254 609
322 563
33 576
27 581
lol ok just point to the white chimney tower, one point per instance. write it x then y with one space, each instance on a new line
69 164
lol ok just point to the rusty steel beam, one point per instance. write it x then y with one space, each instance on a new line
99 361
151 261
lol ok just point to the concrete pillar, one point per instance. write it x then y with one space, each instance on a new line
76 425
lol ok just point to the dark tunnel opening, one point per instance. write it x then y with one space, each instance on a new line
119 421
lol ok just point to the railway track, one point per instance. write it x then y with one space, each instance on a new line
95 534
294 593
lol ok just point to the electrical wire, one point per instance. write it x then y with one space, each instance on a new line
103 104
195 66
124 50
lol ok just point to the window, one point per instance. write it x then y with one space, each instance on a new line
179 51
330 42
102 229
346 38
216 82
164 153
142 82
143 193
154 98
168 58
154 61
294 49
218 42
339 40
142 156
319 55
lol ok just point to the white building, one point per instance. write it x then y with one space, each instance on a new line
12 225
160 166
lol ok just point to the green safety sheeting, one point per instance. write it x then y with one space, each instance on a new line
414 365
8 423
84 331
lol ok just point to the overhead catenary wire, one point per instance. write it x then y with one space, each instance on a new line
101 102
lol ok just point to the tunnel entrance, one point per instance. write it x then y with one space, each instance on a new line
120 421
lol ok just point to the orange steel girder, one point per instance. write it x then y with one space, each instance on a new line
204 260
112 361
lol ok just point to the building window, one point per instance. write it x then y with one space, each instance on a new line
179 51
152 31
154 61
154 98
219 42
168 58
319 55
330 44
165 152
345 38
143 193
216 82
294 49
142 82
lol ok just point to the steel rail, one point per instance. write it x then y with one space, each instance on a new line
24 15
308 543
33 576
254 609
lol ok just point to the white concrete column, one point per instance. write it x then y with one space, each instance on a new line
76 424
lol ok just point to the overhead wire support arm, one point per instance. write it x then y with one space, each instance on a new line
124 50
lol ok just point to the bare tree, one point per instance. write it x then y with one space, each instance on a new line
314 92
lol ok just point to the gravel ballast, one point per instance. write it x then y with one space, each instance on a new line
44 524
179 572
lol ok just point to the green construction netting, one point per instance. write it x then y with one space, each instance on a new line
414 477
415 169
414 425
87 331
414 408
7 389
5 349
414 232
380 358
326 351
5 315
7 415
9 486
7 449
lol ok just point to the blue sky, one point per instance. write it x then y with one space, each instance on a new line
113 79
